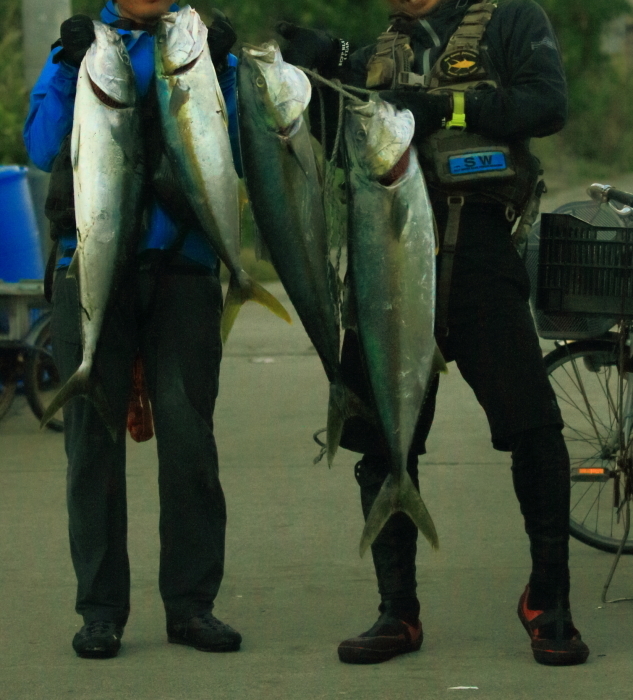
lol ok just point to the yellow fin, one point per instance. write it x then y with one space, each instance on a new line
265 298
239 294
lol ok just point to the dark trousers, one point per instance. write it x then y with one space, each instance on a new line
494 344
171 316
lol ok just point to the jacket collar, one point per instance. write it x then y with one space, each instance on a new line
446 13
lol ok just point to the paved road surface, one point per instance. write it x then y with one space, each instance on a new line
294 584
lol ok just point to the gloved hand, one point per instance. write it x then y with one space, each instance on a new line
429 110
221 38
310 48
77 33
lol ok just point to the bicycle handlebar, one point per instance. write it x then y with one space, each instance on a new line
606 193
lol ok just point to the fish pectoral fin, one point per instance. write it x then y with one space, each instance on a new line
73 269
83 384
393 498
239 294
303 161
439 363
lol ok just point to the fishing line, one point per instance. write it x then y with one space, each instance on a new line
345 90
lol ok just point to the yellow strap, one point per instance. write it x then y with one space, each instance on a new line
458 120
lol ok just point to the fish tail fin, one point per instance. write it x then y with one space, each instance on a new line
265 298
239 294
397 497
82 384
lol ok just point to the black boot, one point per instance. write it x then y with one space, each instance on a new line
540 469
205 633
389 637
398 629
99 639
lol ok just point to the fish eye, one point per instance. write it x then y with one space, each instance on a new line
361 135
260 82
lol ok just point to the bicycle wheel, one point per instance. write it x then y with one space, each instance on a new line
41 379
8 379
584 375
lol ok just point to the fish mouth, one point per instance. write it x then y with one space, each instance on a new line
380 136
284 89
105 98
264 53
180 40
186 68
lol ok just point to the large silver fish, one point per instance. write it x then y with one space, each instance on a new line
195 127
108 174
392 258
285 195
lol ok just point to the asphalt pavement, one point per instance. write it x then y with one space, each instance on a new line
295 585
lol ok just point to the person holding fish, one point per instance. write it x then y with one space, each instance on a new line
480 79
142 283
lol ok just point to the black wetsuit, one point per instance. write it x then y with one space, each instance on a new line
491 333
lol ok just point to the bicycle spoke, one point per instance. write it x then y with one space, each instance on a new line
568 399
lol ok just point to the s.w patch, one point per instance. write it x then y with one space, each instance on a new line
484 162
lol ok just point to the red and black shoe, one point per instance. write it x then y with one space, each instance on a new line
555 640
389 637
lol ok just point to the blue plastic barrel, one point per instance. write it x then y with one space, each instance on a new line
20 252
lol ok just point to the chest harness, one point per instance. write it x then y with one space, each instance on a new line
459 165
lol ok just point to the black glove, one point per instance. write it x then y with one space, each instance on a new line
77 33
429 110
221 38
310 48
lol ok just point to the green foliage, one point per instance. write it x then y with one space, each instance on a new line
579 25
13 97
357 20
600 124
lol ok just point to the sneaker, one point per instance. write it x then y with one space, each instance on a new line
389 637
555 640
98 639
205 633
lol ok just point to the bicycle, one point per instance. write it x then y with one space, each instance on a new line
25 348
583 291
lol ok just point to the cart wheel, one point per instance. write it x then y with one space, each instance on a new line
8 379
41 379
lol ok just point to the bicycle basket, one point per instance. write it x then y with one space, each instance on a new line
585 269
557 326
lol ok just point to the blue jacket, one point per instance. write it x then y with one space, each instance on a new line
50 120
